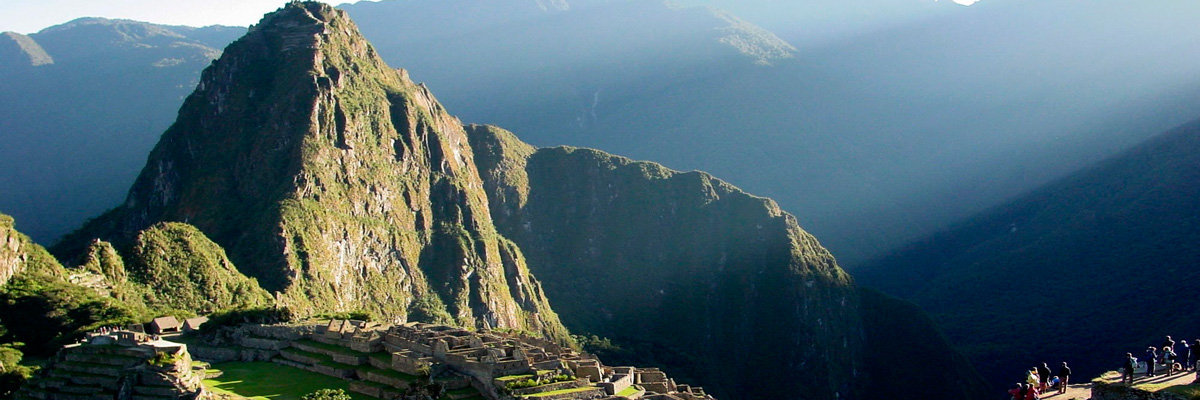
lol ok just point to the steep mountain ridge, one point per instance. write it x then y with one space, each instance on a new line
173 269
19 254
1110 246
720 284
21 51
342 185
335 181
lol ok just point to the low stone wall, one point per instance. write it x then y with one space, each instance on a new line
119 361
367 389
593 393
92 369
263 344
214 354
334 372
618 383
299 358
348 359
551 387
386 380
1116 391
281 332
381 363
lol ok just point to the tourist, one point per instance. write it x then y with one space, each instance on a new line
1168 358
1043 376
1184 353
1015 392
1032 377
1033 393
1064 376
1194 360
1169 342
1130 363
1151 358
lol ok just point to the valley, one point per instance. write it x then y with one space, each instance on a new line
941 187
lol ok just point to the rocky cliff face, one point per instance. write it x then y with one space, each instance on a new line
19 254
750 304
334 180
694 274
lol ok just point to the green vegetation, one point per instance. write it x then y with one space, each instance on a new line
235 317
163 360
511 378
327 394
521 384
12 373
558 392
184 270
269 381
355 315
267 180
45 312
26 256
629 391
678 261
1191 392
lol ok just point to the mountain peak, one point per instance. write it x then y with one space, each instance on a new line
333 179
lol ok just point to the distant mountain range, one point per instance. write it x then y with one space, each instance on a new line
301 159
1083 269
83 102
872 139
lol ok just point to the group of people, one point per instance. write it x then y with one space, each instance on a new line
1038 380
1171 355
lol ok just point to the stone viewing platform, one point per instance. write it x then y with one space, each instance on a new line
118 365
391 361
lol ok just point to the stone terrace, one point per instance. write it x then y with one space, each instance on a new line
383 361
117 365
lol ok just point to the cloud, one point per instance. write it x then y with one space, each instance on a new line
965 2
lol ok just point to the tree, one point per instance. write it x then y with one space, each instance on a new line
327 394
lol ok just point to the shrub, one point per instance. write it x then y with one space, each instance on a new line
327 394
163 360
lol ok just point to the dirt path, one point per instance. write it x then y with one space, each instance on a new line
1083 391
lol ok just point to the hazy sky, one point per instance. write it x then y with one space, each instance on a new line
28 16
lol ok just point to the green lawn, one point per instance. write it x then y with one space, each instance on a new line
1188 391
563 391
629 391
513 378
263 380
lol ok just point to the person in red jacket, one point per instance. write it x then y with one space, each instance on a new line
1015 392
1033 393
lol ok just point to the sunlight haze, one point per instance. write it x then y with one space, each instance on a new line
29 16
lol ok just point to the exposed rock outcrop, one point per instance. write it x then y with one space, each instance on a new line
19 254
